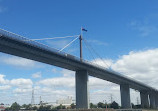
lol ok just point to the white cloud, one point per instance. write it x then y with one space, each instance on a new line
96 84
2 80
59 82
37 87
67 73
18 61
141 65
37 75
22 83
21 90
5 87
56 92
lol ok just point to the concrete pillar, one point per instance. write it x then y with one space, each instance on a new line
152 100
144 99
125 96
82 97
156 100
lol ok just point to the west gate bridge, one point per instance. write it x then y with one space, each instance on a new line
17 45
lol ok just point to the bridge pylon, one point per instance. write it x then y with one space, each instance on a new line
82 96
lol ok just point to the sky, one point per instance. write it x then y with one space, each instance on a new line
122 32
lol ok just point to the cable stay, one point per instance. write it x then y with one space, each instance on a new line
68 44
59 50
87 56
55 38
90 52
91 48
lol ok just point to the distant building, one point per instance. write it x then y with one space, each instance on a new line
3 106
65 101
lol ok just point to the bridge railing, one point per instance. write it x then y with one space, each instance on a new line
24 39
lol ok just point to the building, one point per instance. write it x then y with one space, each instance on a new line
3 106
64 101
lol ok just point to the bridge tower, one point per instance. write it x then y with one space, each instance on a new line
82 96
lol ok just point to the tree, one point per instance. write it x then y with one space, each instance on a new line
92 105
101 105
54 109
61 107
114 105
73 106
41 108
44 108
15 107
34 108
27 107
24 106
7 109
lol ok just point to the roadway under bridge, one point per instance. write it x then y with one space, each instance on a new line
14 44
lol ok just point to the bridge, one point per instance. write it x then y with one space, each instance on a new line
17 45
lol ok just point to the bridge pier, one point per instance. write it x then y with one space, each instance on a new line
144 99
156 101
82 97
152 100
125 96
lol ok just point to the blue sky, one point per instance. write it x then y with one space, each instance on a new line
119 30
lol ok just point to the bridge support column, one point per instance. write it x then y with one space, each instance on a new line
82 97
152 100
125 96
144 99
156 100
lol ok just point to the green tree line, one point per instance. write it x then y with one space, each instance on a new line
16 107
